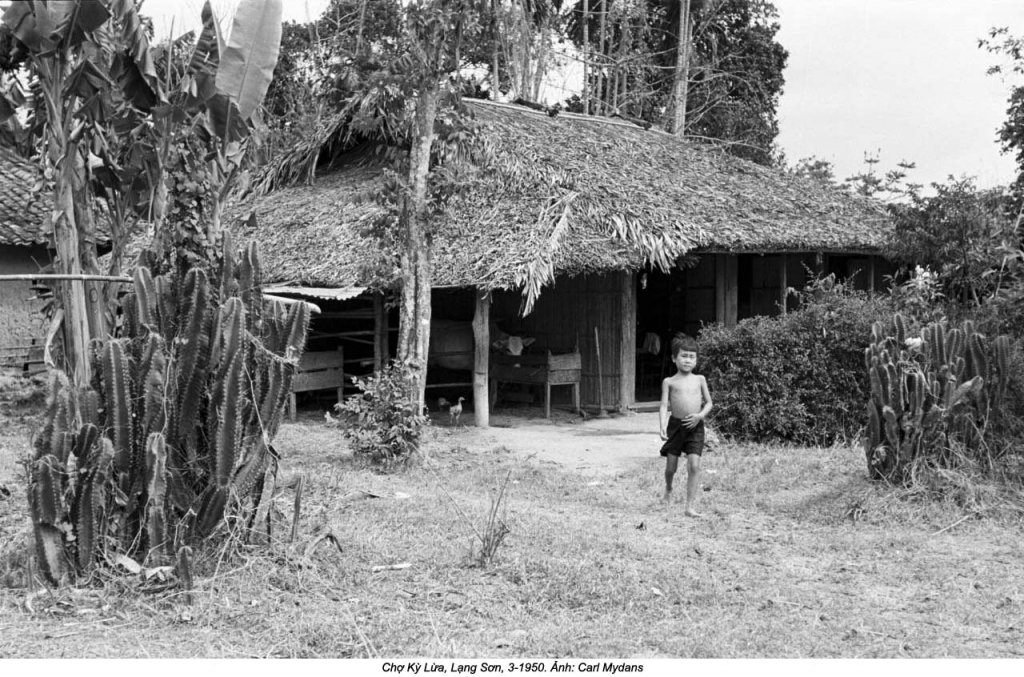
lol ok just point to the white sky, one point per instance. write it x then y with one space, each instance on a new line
903 79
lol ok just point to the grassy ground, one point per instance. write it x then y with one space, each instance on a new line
797 556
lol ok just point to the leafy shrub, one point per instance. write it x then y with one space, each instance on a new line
383 421
797 377
919 298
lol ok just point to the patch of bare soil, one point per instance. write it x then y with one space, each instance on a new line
592 446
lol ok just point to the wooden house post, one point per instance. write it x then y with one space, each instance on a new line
481 358
871 274
380 332
783 283
627 346
726 289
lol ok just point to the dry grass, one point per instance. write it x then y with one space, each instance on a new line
797 556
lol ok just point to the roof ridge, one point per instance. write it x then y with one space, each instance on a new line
572 116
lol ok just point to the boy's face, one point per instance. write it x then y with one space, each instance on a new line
685 361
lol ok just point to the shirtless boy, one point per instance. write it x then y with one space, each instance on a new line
686 396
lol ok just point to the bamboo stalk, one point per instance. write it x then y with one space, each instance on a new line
80 277
602 413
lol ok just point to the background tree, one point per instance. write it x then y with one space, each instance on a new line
814 168
889 187
1011 133
960 233
736 77
732 68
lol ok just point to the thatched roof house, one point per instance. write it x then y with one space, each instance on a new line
592 219
23 250
628 197
22 212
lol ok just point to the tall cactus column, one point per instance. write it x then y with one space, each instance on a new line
930 393
178 424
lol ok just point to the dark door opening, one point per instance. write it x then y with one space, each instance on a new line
680 301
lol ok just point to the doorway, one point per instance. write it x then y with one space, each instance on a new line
680 301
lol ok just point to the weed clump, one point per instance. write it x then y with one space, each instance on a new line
22 391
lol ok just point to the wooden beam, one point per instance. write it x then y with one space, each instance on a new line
720 288
481 358
871 273
627 346
380 332
78 277
783 283
726 289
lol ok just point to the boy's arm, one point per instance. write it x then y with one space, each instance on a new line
663 410
705 395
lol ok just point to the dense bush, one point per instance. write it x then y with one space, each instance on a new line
797 377
383 421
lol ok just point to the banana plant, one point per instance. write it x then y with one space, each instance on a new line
100 93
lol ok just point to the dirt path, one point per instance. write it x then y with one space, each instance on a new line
596 446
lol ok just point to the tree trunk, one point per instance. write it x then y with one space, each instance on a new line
682 75
586 56
524 57
362 24
495 53
542 53
602 77
482 358
623 84
617 72
414 324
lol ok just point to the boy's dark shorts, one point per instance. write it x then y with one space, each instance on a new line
682 440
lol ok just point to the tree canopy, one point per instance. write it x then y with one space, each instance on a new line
631 48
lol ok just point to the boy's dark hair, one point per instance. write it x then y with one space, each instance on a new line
682 342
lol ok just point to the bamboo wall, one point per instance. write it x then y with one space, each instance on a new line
21 319
565 316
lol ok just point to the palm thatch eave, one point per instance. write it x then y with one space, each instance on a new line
564 196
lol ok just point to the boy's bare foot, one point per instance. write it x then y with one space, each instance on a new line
667 498
690 512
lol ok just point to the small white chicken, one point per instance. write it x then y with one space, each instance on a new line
455 411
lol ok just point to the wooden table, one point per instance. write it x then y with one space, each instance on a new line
546 369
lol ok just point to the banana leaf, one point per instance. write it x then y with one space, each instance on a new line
247 62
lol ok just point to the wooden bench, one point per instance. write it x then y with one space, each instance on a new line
547 370
322 370
27 359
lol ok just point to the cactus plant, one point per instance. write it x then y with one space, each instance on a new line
175 436
929 394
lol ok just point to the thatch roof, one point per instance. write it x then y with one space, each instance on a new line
567 195
22 213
